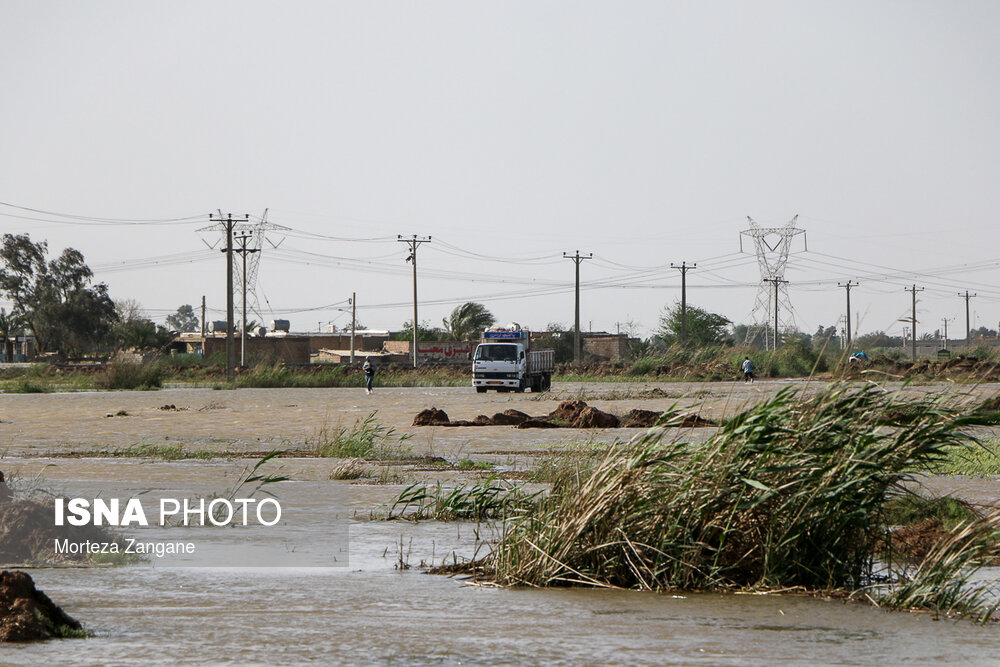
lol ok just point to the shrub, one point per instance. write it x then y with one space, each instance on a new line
130 375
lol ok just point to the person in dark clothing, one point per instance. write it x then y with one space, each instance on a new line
369 368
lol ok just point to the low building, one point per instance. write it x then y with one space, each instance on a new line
282 348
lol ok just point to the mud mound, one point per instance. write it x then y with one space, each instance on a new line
640 418
915 542
27 531
694 420
509 418
593 418
27 614
431 417
568 411
572 414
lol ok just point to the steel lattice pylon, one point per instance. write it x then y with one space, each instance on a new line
772 245
256 233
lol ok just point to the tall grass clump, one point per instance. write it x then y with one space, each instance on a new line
791 493
367 439
130 375
493 499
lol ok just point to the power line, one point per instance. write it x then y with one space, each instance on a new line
76 219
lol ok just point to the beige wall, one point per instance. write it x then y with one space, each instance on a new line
283 349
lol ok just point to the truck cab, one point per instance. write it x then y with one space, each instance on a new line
504 362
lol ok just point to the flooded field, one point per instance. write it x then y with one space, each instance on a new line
379 607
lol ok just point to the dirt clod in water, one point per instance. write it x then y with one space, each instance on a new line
27 614
915 542
509 418
572 414
693 419
568 411
591 417
431 417
640 418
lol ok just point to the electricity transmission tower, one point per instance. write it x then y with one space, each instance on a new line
246 281
772 246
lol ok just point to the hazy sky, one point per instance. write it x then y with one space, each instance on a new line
510 132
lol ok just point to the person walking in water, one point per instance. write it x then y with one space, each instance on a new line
369 368
747 368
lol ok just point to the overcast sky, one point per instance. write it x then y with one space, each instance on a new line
511 132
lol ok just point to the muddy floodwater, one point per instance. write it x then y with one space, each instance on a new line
377 606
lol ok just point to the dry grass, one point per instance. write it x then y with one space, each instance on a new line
790 494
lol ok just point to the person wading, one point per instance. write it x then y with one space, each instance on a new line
747 369
369 368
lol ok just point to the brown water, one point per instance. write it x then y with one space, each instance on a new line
372 613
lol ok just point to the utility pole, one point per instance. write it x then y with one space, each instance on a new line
202 314
776 281
847 286
968 325
230 347
577 258
414 242
684 268
243 250
913 321
354 321
945 321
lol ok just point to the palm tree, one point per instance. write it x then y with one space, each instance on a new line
467 320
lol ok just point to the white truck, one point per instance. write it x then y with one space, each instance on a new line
505 362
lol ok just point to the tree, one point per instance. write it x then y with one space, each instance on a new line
64 311
559 340
425 332
136 331
184 320
703 327
468 321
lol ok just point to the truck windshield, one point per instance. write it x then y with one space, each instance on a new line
496 353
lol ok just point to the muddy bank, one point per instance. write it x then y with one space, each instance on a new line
28 531
569 414
27 614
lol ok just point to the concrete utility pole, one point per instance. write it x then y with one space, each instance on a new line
776 281
847 286
968 324
913 321
684 268
945 321
230 347
414 242
577 348
202 314
354 320
243 250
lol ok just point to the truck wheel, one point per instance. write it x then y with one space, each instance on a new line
481 390
546 382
